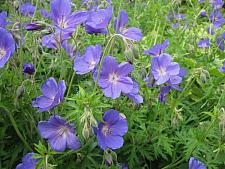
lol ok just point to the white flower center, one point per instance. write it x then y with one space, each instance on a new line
2 53
161 71
92 64
204 45
106 130
113 78
63 131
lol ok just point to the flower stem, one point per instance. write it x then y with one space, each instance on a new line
16 128
107 48
71 81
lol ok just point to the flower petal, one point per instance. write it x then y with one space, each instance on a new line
72 141
49 88
57 143
111 116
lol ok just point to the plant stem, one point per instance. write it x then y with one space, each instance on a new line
16 128
107 48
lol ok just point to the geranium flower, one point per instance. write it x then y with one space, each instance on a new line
120 27
204 43
3 20
62 16
64 21
114 78
195 164
164 70
27 9
59 133
7 46
44 13
28 69
28 162
220 43
157 49
55 39
217 18
110 132
52 95
98 21
217 4
134 95
222 69
89 60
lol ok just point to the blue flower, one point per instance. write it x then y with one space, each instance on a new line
114 78
204 43
52 95
98 21
28 162
129 33
7 46
3 21
27 9
89 60
59 133
157 49
110 132
195 164
217 18
164 70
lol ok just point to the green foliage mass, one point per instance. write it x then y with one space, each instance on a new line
165 136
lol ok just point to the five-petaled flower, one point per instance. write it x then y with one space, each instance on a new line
110 132
114 78
7 46
132 33
164 70
65 22
204 43
52 95
28 162
27 9
217 18
98 21
195 164
59 133
157 49
89 60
